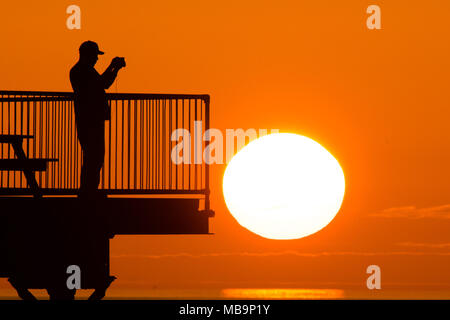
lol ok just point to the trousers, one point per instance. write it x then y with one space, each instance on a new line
92 141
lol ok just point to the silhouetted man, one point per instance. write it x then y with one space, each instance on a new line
91 111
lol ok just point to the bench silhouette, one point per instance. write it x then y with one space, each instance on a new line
22 163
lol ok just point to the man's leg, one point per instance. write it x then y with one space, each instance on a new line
83 138
98 156
93 144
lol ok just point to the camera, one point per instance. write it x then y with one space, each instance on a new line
120 62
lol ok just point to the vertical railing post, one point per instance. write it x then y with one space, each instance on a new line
207 136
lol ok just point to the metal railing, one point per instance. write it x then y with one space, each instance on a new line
137 139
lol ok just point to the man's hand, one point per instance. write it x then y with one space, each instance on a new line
110 74
118 62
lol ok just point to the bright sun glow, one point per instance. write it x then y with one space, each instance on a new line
283 186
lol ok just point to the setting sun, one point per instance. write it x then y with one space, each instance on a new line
283 186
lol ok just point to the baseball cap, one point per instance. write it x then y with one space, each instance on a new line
90 47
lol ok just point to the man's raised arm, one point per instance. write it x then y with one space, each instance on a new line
110 73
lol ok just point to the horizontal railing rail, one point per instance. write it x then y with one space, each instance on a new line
138 140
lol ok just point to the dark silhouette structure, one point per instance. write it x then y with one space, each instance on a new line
45 227
92 110
45 236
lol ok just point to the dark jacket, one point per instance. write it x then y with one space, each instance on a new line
91 103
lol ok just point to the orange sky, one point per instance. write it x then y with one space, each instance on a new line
376 99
